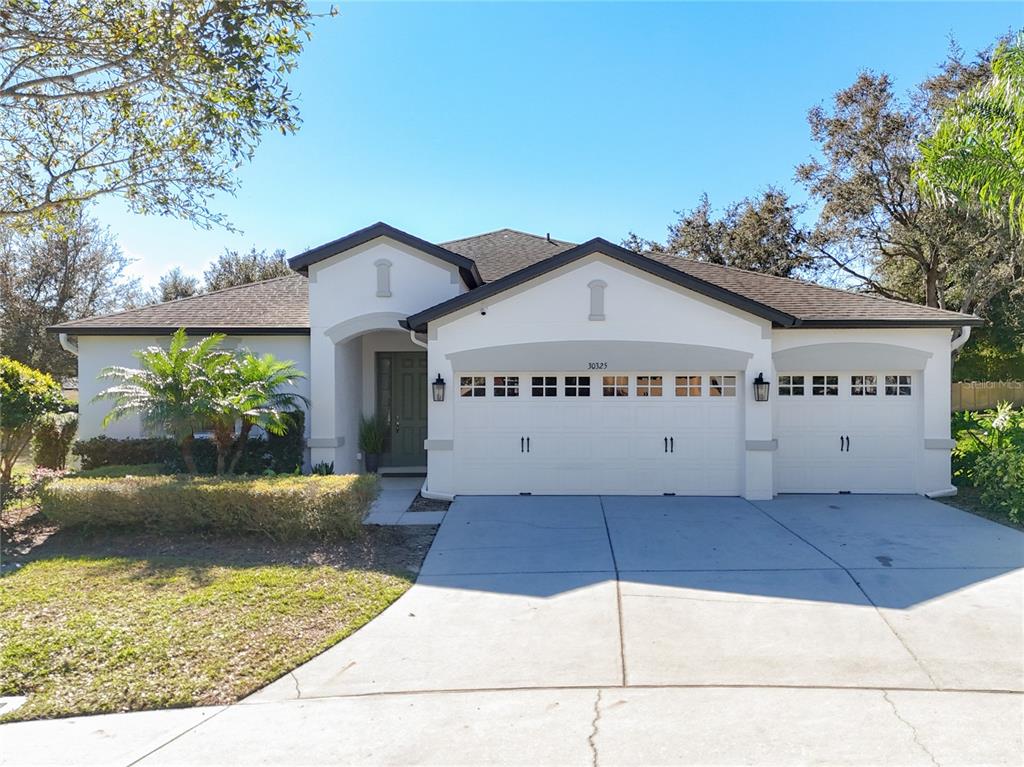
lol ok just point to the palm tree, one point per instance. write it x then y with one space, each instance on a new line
976 155
183 388
261 398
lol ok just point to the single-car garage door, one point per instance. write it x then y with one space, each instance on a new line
612 433
847 432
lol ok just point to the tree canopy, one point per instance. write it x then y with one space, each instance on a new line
975 156
157 102
233 268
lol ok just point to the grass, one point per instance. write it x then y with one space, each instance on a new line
86 635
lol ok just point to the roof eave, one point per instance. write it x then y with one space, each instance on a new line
166 330
895 322
467 267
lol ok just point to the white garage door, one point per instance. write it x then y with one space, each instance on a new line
840 432
612 433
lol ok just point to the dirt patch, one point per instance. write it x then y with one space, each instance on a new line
27 536
419 503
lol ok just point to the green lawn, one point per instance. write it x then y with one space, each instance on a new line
84 635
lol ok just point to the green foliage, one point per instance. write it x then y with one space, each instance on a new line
138 470
323 468
98 452
173 286
999 474
233 268
372 435
157 102
183 389
54 434
282 508
995 352
976 154
979 434
49 275
26 395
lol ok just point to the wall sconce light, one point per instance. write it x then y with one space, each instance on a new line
438 387
761 388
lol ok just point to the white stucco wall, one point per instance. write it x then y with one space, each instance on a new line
350 321
638 307
98 352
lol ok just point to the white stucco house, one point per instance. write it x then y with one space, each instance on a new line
579 369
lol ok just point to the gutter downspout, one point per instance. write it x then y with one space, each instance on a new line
415 340
67 344
423 490
960 340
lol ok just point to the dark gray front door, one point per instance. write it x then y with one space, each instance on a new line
402 404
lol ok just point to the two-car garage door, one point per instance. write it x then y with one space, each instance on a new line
612 433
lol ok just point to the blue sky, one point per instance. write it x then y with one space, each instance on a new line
579 119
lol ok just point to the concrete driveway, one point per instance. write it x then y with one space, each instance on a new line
837 629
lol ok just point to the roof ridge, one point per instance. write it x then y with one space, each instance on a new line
810 283
545 238
188 298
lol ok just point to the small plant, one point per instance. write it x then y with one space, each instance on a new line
52 441
323 468
372 439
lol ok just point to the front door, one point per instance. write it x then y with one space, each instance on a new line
402 405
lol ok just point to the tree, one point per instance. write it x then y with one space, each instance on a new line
760 234
975 156
70 270
158 102
174 285
233 268
874 230
26 395
183 388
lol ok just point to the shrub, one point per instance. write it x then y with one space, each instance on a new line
26 395
979 433
138 470
106 451
999 475
28 485
283 508
52 441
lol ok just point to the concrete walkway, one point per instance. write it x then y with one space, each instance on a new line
828 629
392 504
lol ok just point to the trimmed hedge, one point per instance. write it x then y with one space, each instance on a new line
281 454
283 508
52 440
138 470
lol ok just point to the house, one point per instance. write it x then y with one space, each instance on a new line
512 363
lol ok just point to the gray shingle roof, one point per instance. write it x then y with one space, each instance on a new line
505 251
279 305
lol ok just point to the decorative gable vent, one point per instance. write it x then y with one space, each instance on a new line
383 278
597 299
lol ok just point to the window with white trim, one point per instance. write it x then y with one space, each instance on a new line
472 386
863 386
615 386
688 386
649 386
897 385
506 386
791 386
544 386
577 386
825 386
721 386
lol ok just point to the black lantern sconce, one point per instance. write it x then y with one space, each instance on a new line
761 388
438 387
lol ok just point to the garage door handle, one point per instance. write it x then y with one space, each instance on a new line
666 444
522 444
847 444
671 444
527 444
840 443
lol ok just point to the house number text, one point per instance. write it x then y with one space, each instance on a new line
597 366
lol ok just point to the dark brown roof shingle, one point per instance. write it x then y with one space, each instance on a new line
505 251
279 305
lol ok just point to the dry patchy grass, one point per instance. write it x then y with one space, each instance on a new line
83 635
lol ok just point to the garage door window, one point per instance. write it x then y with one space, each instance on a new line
791 386
648 386
506 386
688 386
897 386
615 386
864 386
472 386
722 386
577 386
825 386
544 386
